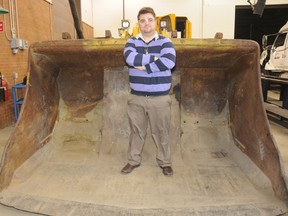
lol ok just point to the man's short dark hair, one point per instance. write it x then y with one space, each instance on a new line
146 10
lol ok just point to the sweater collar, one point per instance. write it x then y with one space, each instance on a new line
156 36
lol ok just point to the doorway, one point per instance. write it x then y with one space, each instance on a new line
253 27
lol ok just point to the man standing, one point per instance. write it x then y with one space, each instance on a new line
150 58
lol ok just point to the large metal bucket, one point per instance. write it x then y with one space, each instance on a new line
84 83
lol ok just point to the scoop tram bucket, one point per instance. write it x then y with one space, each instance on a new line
70 142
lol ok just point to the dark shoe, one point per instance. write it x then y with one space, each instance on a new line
167 171
129 168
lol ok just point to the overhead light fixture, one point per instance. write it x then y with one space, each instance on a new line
3 10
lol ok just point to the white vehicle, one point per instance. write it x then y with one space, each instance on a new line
274 58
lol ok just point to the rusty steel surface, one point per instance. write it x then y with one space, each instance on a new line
216 76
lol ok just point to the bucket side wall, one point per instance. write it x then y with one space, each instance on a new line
249 124
37 117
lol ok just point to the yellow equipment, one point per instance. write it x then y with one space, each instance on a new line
123 31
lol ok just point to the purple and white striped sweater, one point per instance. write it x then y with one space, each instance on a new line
156 79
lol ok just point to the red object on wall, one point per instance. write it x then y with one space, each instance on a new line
5 86
1 26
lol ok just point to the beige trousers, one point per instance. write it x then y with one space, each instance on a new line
155 110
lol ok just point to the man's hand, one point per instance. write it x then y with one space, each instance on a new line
140 67
143 67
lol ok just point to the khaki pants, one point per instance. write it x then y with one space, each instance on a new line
157 111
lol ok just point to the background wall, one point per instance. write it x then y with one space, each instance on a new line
63 21
39 20
207 16
86 12
87 18
29 29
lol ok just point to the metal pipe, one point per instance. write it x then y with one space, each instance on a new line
17 20
77 23
123 9
11 14
6 35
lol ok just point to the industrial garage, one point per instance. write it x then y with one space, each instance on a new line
66 125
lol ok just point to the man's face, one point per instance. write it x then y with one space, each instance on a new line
147 23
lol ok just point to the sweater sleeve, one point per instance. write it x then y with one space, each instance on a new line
134 58
166 60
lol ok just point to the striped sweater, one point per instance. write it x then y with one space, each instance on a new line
156 79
